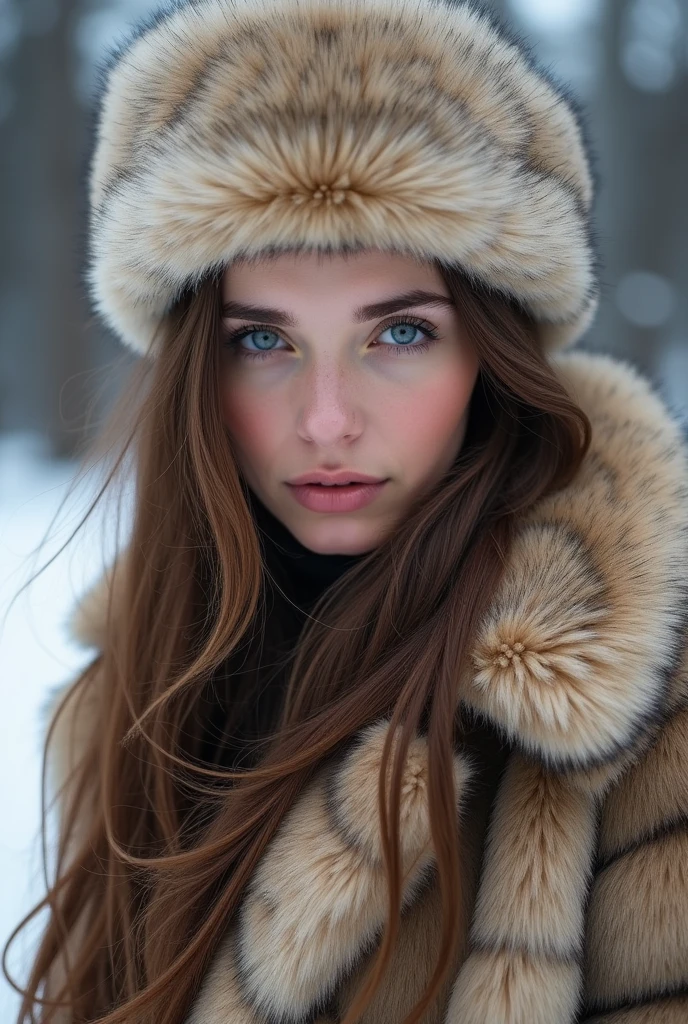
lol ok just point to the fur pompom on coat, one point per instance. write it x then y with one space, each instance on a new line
579 892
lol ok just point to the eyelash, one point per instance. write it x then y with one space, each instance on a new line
232 338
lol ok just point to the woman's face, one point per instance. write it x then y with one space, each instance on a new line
343 387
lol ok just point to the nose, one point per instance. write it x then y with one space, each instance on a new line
327 407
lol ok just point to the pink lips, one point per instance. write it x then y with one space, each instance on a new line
338 476
343 498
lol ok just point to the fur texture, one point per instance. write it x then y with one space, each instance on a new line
230 128
580 897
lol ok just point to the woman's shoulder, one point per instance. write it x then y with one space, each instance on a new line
87 619
586 633
615 392
69 711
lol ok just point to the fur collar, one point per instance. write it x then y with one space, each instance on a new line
575 656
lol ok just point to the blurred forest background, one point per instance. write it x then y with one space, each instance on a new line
627 60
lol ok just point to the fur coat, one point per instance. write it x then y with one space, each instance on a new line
579 893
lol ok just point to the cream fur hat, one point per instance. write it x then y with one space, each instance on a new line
230 128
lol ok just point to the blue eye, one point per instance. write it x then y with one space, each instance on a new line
233 338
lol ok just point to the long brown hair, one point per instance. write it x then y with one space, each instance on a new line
148 888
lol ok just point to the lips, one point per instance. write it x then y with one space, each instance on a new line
340 498
341 477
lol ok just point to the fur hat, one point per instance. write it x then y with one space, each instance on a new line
229 128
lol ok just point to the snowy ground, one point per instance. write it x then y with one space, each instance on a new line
35 656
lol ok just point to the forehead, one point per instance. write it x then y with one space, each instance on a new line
374 283
362 260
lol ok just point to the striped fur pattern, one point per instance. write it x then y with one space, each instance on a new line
580 893
233 128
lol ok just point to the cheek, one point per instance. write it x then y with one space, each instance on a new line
253 423
430 420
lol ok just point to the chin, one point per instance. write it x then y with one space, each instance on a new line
332 538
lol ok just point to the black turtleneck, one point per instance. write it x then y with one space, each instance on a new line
307 573
303 575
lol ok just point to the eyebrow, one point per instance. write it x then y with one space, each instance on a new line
362 314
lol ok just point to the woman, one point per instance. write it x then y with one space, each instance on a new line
409 750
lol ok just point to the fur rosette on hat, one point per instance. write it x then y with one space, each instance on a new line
230 128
